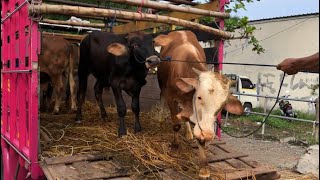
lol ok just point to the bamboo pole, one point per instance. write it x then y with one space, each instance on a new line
170 7
85 11
94 25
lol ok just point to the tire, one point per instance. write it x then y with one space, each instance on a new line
247 108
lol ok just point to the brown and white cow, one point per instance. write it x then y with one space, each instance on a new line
191 91
57 61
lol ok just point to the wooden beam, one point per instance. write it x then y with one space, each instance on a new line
175 8
67 36
86 11
139 26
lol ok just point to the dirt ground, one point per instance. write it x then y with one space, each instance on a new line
282 156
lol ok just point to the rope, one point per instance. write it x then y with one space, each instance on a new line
265 120
139 10
168 59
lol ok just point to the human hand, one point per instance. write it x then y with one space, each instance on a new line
289 66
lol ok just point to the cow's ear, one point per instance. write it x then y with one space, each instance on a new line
187 84
117 49
233 105
162 40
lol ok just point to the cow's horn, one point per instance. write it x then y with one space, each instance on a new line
198 72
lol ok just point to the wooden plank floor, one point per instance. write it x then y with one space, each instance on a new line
224 162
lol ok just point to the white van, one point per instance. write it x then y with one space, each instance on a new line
244 85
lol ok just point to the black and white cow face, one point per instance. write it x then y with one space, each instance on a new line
139 47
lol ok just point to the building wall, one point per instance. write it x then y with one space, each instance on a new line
281 38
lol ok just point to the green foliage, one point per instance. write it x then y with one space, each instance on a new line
242 24
277 127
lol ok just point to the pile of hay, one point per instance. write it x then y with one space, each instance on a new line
148 150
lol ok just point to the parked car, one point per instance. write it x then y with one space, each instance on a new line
243 86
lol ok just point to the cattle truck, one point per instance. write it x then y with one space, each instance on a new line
20 120
241 89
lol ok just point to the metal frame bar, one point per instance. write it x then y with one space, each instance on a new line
13 147
283 117
68 26
272 97
17 71
14 11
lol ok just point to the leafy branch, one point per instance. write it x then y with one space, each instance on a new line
238 24
242 24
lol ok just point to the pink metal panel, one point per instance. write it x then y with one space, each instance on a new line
220 54
19 119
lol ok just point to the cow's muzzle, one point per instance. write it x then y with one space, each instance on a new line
152 61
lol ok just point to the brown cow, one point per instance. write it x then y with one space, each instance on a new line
191 91
57 61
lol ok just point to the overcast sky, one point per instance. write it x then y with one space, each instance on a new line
275 8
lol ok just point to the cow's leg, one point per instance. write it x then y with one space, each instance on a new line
173 106
72 85
135 105
98 89
83 80
162 106
189 134
43 96
122 110
48 96
58 88
204 166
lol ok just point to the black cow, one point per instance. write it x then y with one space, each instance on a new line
117 61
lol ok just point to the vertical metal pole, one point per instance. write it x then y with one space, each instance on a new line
316 134
264 111
226 119
220 56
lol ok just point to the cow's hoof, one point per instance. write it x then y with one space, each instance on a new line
55 112
174 147
73 110
189 136
204 173
78 120
121 134
137 128
104 117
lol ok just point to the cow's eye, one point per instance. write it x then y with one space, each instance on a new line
199 98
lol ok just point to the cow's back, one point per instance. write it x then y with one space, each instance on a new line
94 57
185 53
54 58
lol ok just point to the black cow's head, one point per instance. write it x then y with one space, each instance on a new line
139 47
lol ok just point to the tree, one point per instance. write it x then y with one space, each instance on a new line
242 24
238 24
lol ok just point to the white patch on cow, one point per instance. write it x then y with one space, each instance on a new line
158 49
212 94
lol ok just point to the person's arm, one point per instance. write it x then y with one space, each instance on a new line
295 65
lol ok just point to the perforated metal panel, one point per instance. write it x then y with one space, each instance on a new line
19 118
